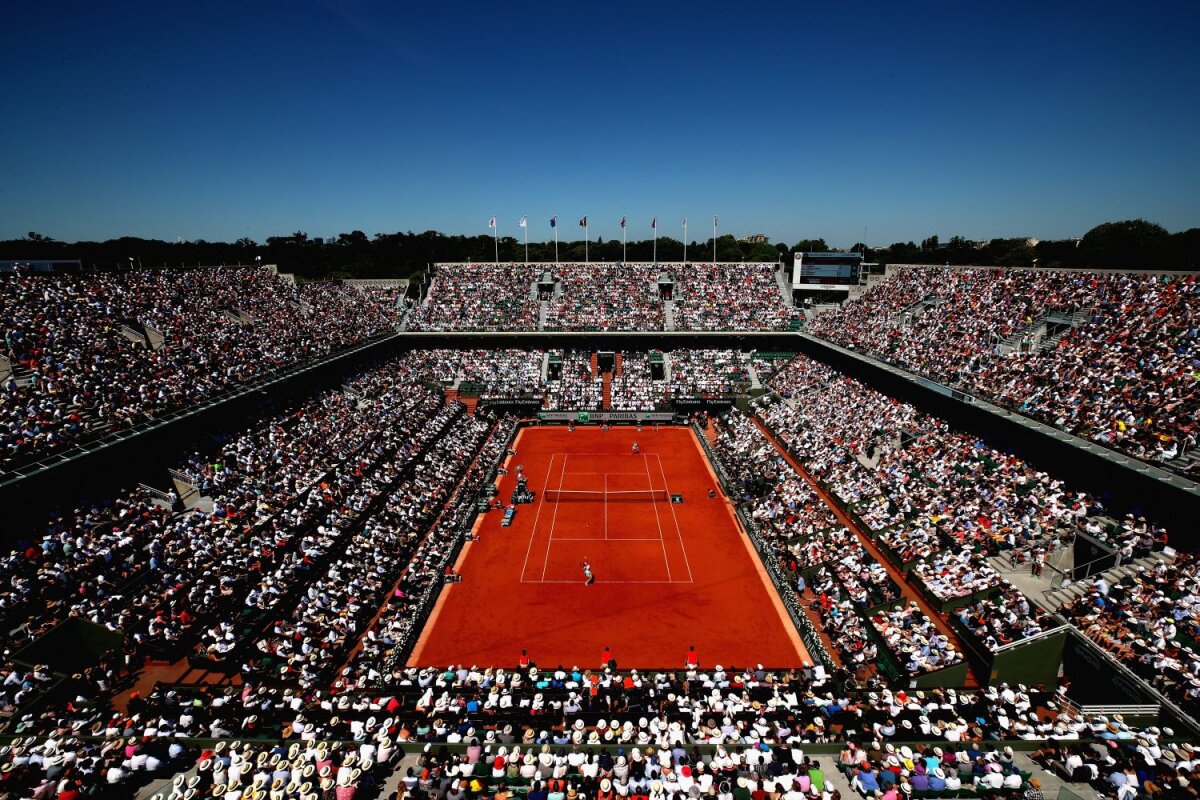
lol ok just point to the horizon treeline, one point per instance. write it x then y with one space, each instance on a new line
1131 244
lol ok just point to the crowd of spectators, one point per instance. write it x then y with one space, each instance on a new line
82 361
912 637
731 297
929 492
337 504
62 766
399 502
631 388
803 537
1125 764
953 576
1004 618
606 297
1117 364
765 366
479 297
579 385
799 528
563 707
525 727
1150 620
884 770
707 373
505 372
134 565
300 770
382 649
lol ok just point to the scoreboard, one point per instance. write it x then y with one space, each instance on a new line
827 269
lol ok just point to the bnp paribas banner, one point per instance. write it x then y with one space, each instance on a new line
602 417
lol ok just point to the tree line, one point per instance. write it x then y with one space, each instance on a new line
1131 244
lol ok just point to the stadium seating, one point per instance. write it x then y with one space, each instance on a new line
479 297
100 351
723 297
1106 356
606 297
269 620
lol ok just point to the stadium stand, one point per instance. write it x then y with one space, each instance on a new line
1105 356
98 351
256 639
971 497
479 297
606 297
742 297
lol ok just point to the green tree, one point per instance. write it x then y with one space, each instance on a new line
1133 243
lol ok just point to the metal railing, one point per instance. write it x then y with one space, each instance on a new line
1031 639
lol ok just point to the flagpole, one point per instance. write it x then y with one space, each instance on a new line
685 240
656 244
585 241
527 243
496 230
555 226
714 238
623 259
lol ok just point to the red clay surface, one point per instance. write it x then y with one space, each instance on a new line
667 575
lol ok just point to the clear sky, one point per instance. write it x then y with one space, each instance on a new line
218 120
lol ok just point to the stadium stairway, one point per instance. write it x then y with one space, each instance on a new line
1186 463
1069 593
619 366
906 591
668 315
785 288
755 382
595 365
606 389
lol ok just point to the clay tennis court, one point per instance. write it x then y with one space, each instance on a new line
667 575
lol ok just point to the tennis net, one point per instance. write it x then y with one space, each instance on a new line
603 496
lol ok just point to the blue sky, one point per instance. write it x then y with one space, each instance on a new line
219 120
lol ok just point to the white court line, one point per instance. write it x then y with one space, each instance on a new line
600 581
661 540
674 516
609 539
537 516
554 516
606 505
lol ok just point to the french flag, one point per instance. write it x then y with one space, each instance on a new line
583 222
554 221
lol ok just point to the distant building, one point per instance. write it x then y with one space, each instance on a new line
755 238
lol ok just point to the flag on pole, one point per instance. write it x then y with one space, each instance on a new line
522 223
714 220
622 222
554 221
492 222
654 223
685 222
583 222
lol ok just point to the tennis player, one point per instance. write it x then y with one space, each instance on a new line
588 577
636 449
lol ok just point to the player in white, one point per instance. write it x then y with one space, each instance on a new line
636 449
588 577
